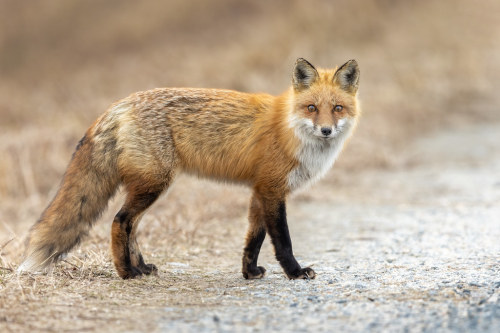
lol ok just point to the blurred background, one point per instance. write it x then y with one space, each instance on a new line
425 66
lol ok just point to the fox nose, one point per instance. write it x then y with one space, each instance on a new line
326 131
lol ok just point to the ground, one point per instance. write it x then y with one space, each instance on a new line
403 232
403 249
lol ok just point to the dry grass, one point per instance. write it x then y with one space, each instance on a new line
425 65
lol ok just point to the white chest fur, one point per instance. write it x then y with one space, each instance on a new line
315 156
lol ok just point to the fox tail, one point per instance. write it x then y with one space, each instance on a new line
89 182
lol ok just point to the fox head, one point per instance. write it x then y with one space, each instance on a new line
324 105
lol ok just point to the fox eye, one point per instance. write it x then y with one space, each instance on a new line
338 108
311 108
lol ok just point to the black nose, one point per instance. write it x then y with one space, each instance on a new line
326 131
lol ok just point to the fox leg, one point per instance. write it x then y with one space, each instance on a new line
127 257
255 236
136 258
277 228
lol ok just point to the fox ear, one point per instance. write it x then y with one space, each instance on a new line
304 74
347 76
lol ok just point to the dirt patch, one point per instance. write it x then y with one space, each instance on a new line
424 259
403 232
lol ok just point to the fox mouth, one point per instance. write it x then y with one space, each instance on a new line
312 133
336 131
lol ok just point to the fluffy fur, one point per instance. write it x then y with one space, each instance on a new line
275 144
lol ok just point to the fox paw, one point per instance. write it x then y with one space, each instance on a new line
131 273
148 269
303 273
254 273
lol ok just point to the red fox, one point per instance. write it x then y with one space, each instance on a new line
275 144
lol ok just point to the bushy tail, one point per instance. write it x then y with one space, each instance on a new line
90 181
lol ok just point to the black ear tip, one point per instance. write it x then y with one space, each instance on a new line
303 64
301 60
353 62
304 74
348 76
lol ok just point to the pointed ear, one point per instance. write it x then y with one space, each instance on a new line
347 76
304 74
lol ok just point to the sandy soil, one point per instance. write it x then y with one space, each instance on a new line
403 232
409 249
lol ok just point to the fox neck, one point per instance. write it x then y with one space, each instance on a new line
315 156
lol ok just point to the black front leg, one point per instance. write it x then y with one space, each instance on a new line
251 254
255 236
277 228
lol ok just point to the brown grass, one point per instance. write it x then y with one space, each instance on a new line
425 65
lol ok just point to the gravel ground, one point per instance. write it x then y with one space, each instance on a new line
418 251
411 249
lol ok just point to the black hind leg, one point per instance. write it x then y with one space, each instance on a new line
127 256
